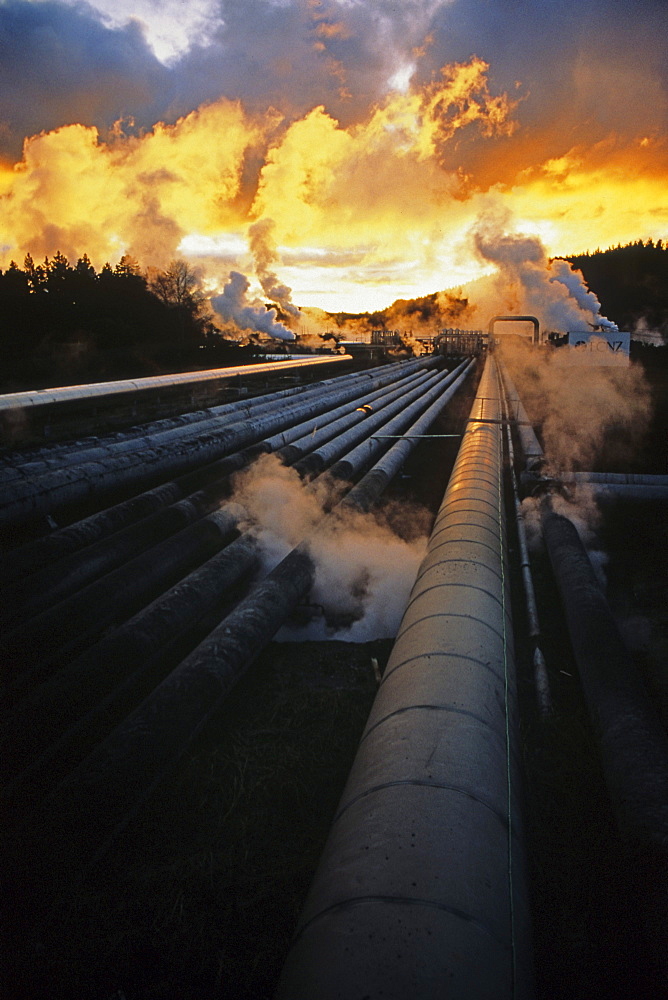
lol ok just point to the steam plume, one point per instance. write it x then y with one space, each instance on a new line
235 308
528 282
589 416
364 568
265 255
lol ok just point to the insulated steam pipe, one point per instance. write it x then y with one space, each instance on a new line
25 498
532 451
103 390
100 673
618 485
540 676
136 641
55 582
64 541
612 478
98 445
161 432
35 646
314 463
361 456
634 745
82 615
366 492
421 889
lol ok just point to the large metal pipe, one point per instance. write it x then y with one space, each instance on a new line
612 478
321 458
117 776
532 450
366 492
34 647
362 455
11 462
96 446
634 745
38 721
80 617
29 557
25 498
16 463
609 486
56 705
421 889
103 390
540 675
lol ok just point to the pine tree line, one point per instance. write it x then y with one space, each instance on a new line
631 282
63 324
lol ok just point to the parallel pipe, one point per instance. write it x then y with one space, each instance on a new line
42 641
612 478
65 541
143 635
59 702
122 771
35 647
540 675
361 456
421 890
36 460
618 485
56 582
314 463
100 674
532 450
157 436
366 492
59 487
96 445
634 745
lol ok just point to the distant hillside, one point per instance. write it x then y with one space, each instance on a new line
631 283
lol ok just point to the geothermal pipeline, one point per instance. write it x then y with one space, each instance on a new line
152 568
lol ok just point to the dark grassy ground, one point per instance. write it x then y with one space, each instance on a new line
200 895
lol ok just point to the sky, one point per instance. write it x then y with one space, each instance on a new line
340 154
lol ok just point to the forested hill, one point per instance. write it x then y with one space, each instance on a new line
631 283
63 323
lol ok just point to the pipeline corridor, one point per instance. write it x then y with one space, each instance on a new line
125 630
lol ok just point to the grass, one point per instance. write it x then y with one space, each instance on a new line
200 895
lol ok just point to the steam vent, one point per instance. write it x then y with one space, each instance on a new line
340 674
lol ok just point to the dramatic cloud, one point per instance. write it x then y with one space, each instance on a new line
339 148
60 65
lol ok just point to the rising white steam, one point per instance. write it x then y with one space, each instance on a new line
265 255
574 281
364 569
528 282
235 308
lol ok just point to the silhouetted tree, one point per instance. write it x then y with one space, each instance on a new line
630 281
